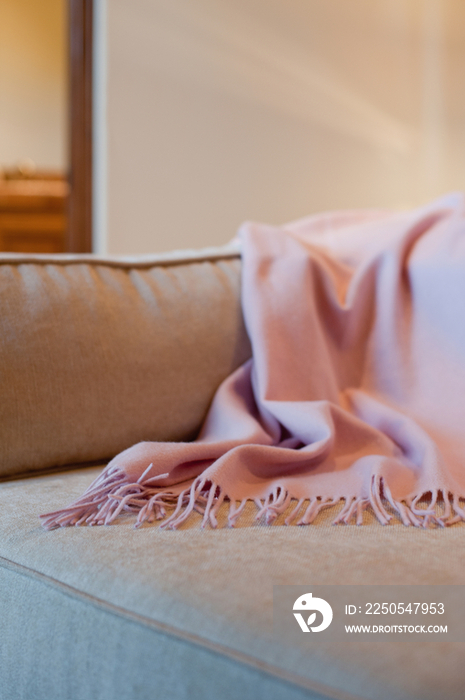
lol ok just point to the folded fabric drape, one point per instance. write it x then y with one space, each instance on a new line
355 393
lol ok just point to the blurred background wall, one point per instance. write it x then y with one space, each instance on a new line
211 112
33 83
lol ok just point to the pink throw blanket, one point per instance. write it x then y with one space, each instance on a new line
355 392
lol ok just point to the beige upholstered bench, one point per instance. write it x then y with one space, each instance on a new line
96 355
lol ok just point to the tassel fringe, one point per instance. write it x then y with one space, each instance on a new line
111 494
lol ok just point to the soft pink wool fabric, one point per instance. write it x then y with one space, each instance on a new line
356 389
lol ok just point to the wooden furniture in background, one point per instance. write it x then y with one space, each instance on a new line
46 215
79 232
33 215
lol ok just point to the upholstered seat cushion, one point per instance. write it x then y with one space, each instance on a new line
113 612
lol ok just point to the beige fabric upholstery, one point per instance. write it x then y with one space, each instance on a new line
114 612
97 355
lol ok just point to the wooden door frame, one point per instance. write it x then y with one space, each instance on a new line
80 53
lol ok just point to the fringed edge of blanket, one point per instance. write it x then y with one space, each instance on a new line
111 494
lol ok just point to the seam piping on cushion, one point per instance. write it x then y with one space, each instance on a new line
163 628
54 470
123 264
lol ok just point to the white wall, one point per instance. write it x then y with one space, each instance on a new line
33 82
224 110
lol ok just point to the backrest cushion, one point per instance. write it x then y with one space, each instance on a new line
96 355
